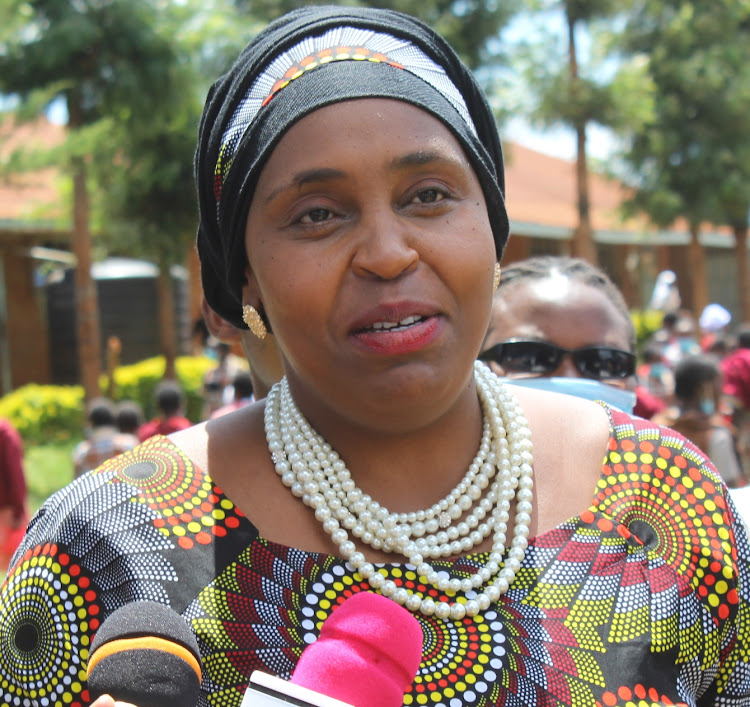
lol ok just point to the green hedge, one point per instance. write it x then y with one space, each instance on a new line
646 322
45 413
139 380
55 413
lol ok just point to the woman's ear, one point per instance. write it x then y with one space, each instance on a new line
250 292
218 326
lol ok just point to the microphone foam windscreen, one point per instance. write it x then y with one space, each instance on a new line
367 654
146 654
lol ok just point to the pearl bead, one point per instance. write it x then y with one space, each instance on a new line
413 602
442 610
472 607
493 593
457 611
357 560
330 525
432 525
427 607
400 596
339 536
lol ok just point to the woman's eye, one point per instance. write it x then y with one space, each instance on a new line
429 196
316 216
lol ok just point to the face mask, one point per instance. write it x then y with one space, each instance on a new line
708 406
582 388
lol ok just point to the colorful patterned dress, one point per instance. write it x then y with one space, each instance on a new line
644 599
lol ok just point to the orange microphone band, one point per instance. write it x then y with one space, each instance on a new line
152 643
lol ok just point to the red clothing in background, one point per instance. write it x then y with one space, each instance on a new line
13 517
646 403
736 370
164 427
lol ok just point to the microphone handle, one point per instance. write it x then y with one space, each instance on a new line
267 690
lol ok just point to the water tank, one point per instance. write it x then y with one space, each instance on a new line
128 308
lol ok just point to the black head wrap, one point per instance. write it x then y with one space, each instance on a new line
298 64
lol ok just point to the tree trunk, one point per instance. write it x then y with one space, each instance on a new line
743 276
167 329
698 267
583 239
195 287
86 301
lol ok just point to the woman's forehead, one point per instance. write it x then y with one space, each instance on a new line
559 309
404 135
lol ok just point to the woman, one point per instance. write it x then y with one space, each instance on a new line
696 415
561 324
350 181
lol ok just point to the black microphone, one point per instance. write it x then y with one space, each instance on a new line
145 653
367 655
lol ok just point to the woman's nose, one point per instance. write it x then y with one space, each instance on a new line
385 248
567 368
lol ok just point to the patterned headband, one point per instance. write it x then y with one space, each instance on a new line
338 44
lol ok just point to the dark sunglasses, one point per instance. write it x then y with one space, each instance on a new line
540 357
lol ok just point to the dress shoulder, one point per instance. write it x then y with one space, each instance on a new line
147 525
668 494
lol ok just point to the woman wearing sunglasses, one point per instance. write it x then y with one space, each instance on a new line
561 324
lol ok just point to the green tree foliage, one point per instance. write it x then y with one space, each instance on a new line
150 205
131 74
692 158
695 60
571 92
471 26
104 59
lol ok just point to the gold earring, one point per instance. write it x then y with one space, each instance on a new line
496 279
254 321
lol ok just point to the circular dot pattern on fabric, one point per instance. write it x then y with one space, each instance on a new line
58 600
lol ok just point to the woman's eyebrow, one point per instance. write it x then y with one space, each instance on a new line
309 176
326 174
423 157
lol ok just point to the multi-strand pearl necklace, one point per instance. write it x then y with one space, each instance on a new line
477 507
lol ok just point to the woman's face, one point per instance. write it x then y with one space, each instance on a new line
371 252
560 311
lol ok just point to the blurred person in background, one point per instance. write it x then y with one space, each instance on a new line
713 322
683 340
696 415
560 323
735 368
263 355
654 375
103 439
13 493
170 404
242 385
217 383
129 417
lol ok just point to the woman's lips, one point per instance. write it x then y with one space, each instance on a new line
385 339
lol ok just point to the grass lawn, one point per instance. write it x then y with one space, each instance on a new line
48 468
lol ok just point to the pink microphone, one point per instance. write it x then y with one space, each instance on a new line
367 655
